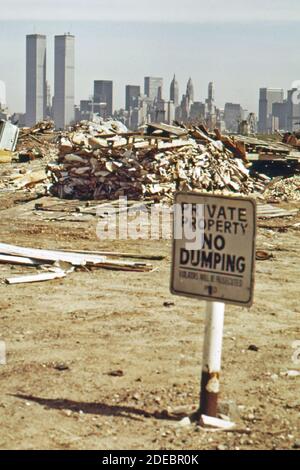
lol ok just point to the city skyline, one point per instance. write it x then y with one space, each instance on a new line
137 59
277 110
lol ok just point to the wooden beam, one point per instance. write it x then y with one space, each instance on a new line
35 278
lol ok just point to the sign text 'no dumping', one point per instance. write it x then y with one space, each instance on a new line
214 248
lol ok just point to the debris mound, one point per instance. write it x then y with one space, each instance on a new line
106 162
284 189
37 142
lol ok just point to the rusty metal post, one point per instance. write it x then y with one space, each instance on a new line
212 353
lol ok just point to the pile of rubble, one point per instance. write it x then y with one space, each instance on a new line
28 143
23 178
292 139
284 189
36 142
106 162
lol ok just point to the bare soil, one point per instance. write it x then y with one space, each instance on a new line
65 337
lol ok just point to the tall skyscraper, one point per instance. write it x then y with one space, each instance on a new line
211 110
64 76
36 89
268 96
174 91
153 87
190 90
133 92
211 91
103 93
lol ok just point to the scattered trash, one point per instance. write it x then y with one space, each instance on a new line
210 422
221 447
284 189
58 264
185 422
5 156
61 367
291 373
263 255
8 135
35 278
168 304
116 373
267 211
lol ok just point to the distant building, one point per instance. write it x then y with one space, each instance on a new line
293 110
280 111
233 115
2 95
210 102
185 108
132 94
268 96
197 111
153 87
211 110
36 90
174 91
64 77
211 91
103 97
252 121
190 91
164 112
138 115
84 112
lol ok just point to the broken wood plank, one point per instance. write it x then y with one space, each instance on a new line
6 156
6 259
31 179
50 255
125 266
35 278
118 254
210 422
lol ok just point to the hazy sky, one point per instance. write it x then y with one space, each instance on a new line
240 45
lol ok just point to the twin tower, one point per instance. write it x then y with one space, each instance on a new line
36 80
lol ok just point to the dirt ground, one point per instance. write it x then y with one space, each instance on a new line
64 338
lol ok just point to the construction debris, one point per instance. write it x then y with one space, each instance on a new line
284 189
8 135
97 166
102 160
216 423
262 255
292 139
36 142
267 211
60 263
35 278
6 156
42 127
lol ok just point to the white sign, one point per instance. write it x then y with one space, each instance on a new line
214 256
